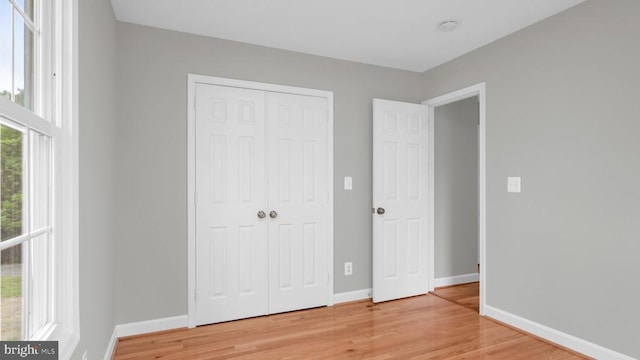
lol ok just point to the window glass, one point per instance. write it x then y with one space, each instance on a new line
11 290
6 86
23 64
11 226
11 163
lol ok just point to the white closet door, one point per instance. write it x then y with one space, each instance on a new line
298 193
400 169
231 243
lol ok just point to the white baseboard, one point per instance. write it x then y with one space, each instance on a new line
352 296
456 280
143 327
569 341
149 326
111 347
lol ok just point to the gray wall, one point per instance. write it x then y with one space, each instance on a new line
97 76
151 168
563 113
456 188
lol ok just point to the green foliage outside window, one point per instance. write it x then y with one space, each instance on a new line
11 281
11 193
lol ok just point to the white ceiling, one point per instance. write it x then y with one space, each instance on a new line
400 34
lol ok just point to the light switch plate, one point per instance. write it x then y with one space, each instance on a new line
348 183
514 184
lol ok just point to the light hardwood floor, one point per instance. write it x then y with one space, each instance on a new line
423 327
467 295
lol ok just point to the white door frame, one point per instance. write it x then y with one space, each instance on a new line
478 90
192 80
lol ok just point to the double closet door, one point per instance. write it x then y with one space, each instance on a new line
262 207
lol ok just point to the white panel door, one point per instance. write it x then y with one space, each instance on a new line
400 169
298 202
231 243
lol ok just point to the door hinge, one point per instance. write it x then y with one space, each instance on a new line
195 100
195 295
195 198
328 278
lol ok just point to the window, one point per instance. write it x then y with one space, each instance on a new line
38 172
26 232
18 37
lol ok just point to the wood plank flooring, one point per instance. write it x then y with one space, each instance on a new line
423 327
467 295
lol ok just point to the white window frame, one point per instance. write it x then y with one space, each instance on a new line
27 123
58 81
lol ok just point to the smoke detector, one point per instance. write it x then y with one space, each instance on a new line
448 25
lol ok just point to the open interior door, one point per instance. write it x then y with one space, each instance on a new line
400 190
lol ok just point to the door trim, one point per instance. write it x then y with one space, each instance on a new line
192 80
478 90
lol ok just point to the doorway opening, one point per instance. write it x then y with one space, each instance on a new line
456 202
457 197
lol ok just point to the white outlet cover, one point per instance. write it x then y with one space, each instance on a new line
514 184
348 268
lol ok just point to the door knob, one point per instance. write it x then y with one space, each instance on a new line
380 211
273 214
261 214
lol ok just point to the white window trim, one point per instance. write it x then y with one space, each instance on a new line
63 110
68 332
